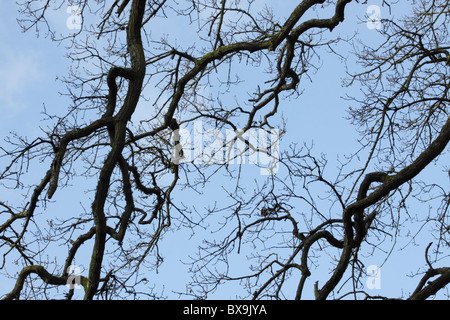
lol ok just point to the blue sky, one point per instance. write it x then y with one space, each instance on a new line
30 66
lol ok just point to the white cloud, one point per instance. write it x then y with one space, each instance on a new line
21 73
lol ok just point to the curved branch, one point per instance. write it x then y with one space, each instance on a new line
422 293
390 183
44 275
135 48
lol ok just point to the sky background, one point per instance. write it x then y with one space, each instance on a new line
30 66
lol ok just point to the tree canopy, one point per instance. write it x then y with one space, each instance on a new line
176 129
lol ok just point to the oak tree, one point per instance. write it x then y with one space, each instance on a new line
234 65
